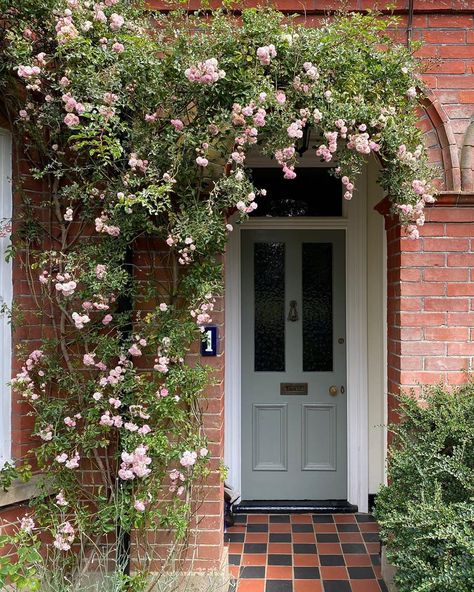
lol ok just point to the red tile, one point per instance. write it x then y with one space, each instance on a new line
257 518
253 559
301 518
365 586
279 572
308 586
256 537
333 573
280 548
373 548
251 586
378 571
325 527
350 537
357 560
329 548
305 560
236 528
279 527
344 518
303 537
234 570
236 548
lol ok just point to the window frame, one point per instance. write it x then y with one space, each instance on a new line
6 297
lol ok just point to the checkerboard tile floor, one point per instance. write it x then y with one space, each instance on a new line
304 553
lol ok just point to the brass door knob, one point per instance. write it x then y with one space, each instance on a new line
333 390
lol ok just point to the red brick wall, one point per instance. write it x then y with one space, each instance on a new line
30 331
431 300
207 526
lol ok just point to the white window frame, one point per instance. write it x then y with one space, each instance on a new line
6 296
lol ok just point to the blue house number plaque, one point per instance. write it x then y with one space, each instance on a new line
209 341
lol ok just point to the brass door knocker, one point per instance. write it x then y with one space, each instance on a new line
293 313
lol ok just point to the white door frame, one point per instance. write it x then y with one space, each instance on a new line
355 226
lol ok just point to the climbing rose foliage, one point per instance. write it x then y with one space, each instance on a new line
138 131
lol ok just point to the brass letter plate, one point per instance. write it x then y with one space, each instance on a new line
293 388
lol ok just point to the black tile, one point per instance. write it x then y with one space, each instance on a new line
383 586
361 573
304 548
280 537
306 573
354 548
279 559
323 518
240 518
337 586
323 537
232 586
375 559
280 518
279 586
302 527
332 560
257 527
365 518
236 537
234 559
371 537
252 571
255 548
347 528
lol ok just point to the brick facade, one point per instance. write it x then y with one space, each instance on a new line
430 299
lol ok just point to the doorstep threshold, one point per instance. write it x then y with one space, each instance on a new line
294 507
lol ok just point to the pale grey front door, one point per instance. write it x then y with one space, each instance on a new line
293 365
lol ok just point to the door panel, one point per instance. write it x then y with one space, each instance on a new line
319 447
293 333
270 454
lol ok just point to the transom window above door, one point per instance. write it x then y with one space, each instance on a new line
315 192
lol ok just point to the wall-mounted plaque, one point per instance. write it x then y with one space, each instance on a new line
209 341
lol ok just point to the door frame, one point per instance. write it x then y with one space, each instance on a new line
354 224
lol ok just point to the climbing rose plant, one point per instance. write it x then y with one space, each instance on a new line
136 128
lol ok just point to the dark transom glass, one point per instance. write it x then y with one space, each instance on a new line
314 192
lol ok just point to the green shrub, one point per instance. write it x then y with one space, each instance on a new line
426 513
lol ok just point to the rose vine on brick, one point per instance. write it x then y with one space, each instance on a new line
143 132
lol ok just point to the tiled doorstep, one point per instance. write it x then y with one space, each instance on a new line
305 553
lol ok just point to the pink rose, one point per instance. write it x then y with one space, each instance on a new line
71 120
118 47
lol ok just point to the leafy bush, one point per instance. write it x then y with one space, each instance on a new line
426 513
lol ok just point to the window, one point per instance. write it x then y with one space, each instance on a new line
6 290
314 192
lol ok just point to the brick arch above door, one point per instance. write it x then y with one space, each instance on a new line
440 142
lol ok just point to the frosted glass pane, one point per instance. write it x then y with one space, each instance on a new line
269 281
317 307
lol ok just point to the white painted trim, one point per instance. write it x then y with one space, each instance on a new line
355 226
6 295
385 352
232 378
356 320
